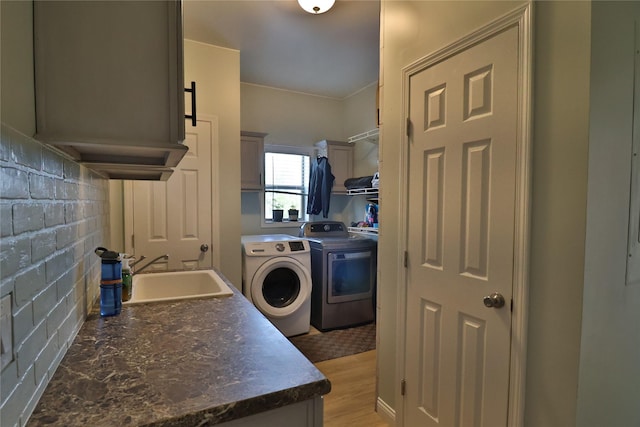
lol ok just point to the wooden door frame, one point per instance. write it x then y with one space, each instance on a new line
520 18
215 205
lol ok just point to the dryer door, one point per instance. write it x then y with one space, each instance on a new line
280 286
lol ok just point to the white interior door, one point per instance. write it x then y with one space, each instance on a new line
461 208
175 217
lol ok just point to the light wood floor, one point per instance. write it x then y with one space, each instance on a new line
352 400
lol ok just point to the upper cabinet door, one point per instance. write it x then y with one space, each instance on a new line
340 156
109 80
252 160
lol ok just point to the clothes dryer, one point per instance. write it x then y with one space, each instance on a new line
276 278
343 272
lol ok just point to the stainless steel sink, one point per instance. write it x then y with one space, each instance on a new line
155 287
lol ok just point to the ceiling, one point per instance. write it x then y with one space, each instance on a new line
334 54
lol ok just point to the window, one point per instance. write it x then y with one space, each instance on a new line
286 181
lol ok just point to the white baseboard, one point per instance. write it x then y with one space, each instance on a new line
386 412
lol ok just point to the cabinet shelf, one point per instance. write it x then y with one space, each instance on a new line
372 194
363 230
370 136
362 191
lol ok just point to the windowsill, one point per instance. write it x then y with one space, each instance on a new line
282 224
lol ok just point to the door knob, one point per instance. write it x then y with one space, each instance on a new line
495 300
204 247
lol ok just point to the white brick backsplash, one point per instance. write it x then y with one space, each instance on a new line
5 145
14 183
71 170
9 380
65 284
43 244
71 191
35 397
14 404
22 323
15 255
41 187
6 220
78 250
72 212
56 317
43 303
60 194
52 163
26 152
29 283
71 324
27 351
6 286
54 213
27 217
66 235
46 357
58 265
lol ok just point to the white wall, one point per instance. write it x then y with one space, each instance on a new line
560 147
360 115
609 385
290 118
216 71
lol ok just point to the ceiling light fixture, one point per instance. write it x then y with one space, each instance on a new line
316 7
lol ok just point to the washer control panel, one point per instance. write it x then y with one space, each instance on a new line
296 246
276 247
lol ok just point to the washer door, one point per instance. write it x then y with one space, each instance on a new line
280 286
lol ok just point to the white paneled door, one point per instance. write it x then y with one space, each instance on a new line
174 217
461 207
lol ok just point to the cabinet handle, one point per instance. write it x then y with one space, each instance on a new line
192 116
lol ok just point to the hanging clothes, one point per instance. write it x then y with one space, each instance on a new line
320 184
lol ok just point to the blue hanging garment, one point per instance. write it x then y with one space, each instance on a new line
320 184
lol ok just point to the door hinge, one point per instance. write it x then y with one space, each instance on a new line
512 305
406 259
403 387
408 126
133 241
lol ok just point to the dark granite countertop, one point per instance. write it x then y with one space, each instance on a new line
183 363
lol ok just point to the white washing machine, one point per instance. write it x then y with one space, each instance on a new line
276 278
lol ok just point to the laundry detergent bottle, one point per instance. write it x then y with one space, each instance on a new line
110 282
371 215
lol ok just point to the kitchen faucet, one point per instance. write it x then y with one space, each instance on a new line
131 264
138 270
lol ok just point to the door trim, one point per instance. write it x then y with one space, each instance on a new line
520 18
215 203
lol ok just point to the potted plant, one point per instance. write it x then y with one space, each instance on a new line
293 213
277 211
